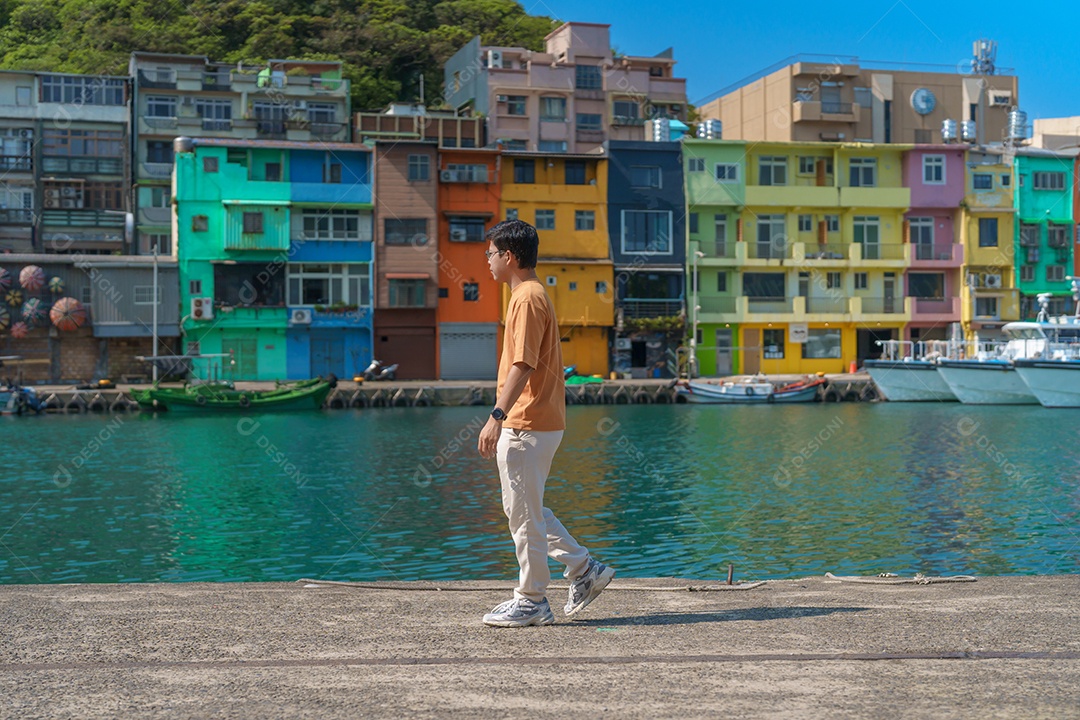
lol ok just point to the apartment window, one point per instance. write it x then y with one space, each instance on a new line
336 224
515 104
625 109
807 165
601 287
772 170
552 146
253 222
928 286
589 121
332 173
861 281
467 229
720 231
806 223
200 223
584 220
511 214
1049 181
553 109
324 113
85 90
645 176
1006 180
58 142
471 292
573 285
933 169
832 280
772 241
693 223
162 240
159 196
646 231
273 172
986 307
324 284
863 172
210 164
695 165
524 171
545 219
144 295
867 232
922 237
246 284
772 344
22 95
1029 235
419 167
1055 273
982 181
1027 273
407 293
587 77
405 231
721 282
160 151
575 172
215 114
1057 236
821 344
766 285
161 106
988 232
727 172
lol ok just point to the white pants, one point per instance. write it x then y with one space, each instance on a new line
524 459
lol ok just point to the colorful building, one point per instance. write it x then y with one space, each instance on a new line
989 296
1045 228
936 176
647 219
470 301
274 248
565 197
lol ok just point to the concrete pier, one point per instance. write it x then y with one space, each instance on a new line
1000 647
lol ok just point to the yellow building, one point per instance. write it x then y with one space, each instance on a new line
990 297
818 257
565 197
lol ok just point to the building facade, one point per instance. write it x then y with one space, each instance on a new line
569 98
275 254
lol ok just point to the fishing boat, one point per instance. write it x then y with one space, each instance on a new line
1054 383
223 397
907 371
17 400
750 391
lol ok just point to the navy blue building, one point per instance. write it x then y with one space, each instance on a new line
647 228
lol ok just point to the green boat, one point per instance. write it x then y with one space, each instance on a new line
215 397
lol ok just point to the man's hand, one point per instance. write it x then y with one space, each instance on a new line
489 438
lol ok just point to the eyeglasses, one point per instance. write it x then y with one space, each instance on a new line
489 253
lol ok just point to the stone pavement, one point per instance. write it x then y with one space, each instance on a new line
1005 647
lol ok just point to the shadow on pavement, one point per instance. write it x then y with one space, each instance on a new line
758 614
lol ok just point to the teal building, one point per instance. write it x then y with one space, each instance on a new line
274 247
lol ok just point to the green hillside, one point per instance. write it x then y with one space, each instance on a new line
385 44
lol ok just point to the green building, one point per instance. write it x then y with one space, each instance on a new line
1044 229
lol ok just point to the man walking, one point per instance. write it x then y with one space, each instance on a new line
524 432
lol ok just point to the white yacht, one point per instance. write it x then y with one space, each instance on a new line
907 371
1054 383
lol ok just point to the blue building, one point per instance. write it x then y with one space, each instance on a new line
647 228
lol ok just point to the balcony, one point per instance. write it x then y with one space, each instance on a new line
717 248
325 130
157 79
951 255
83 218
213 125
826 251
635 308
886 252
627 120
155 216
16 217
83 165
780 249
898 198
160 123
217 81
827 111
478 174
583 135
782 305
826 305
16 163
936 310
718 305
270 129
156 169
825 196
882 306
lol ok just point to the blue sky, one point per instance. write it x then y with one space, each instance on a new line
717 44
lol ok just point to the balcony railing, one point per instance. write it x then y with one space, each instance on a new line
883 306
160 123
16 217
157 170
937 306
271 129
769 250
216 81
650 308
83 165
220 125
828 251
770 304
878 251
16 163
827 305
82 218
325 129
933 252
720 249
627 120
835 108
722 304
162 79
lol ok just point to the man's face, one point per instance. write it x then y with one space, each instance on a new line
498 262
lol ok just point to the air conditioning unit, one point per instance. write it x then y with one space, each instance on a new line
1000 98
458 235
993 280
188 101
447 175
202 308
502 98
494 59
52 202
552 280
52 193
26 133
68 203
69 191
623 343
301 105
300 316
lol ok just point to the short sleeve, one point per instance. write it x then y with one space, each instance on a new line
527 320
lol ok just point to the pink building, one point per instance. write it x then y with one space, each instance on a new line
569 98
936 176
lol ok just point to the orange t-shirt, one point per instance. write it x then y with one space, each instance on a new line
532 337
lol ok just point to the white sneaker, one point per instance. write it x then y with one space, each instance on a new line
588 587
520 613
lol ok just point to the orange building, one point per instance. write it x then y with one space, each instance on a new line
469 298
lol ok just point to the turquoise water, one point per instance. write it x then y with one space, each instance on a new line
400 494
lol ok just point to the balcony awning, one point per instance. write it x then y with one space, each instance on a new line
407 276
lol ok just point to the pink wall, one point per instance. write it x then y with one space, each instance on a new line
930 196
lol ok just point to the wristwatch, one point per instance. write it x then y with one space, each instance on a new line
498 414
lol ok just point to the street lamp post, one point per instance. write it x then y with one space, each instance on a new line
692 364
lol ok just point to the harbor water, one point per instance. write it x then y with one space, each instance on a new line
655 490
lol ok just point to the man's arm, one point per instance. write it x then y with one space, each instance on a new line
516 379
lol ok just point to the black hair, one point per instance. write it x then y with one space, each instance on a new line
519 237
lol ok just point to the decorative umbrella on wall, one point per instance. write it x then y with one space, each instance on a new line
32 278
19 330
13 298
68 314
33 312
5 318
5 280
56 285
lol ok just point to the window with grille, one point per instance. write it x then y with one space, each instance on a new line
1049 180
253 222
419 168
405 231
335 224
161 106
587 77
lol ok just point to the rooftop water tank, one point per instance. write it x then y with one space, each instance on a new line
710 130
948 131
661 130
1017 125
967 131
183 144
